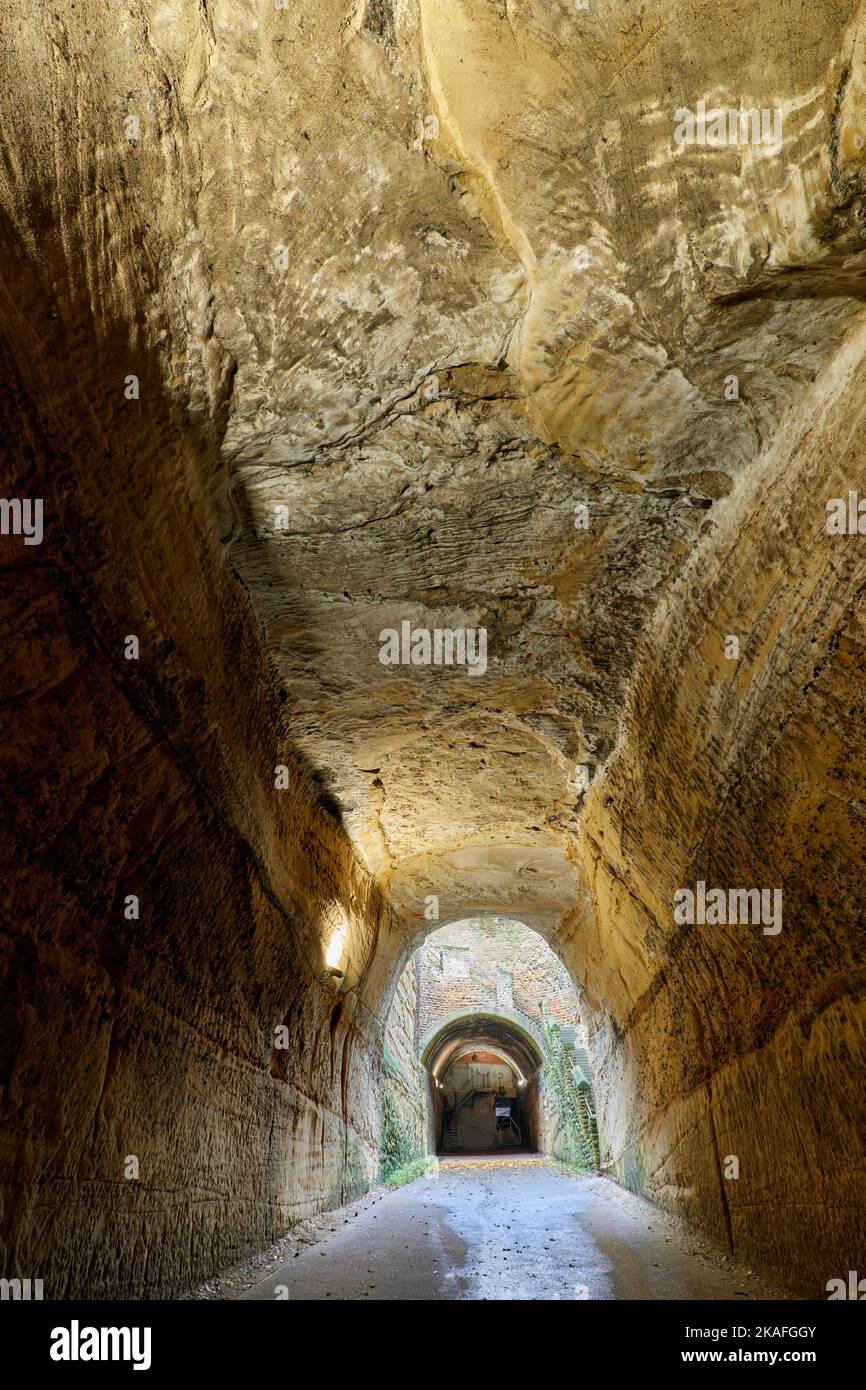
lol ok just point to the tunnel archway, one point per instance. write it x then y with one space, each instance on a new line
484 1073
490 1017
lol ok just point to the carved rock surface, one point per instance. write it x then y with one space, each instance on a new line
412 292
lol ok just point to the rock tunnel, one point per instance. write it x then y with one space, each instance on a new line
429 463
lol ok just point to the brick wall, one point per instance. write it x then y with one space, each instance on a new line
490 962
400 1024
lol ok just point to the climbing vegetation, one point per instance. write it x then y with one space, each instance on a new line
398 1145
572 1093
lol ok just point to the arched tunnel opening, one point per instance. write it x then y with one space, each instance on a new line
433 671
493 1019
485 1081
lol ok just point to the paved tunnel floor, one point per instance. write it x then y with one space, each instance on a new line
494 1229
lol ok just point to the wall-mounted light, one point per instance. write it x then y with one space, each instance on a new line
336 943
336 948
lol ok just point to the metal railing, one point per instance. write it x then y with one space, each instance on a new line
505 1123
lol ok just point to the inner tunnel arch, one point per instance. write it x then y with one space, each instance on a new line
476 1105
496 1028
492 1003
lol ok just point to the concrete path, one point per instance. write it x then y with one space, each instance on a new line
505 1229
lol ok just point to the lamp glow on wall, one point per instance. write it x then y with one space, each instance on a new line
336 942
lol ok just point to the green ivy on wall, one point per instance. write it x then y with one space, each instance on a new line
573 1095
397 1143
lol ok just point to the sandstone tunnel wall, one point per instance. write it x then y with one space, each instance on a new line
722 1041
150 1038
153 1037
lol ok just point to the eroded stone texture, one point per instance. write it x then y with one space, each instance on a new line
319 215
406 1080
730 1041
152 1038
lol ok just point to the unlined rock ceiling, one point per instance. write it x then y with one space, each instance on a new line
487 197
484 200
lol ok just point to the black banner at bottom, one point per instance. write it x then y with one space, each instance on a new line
223 1338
